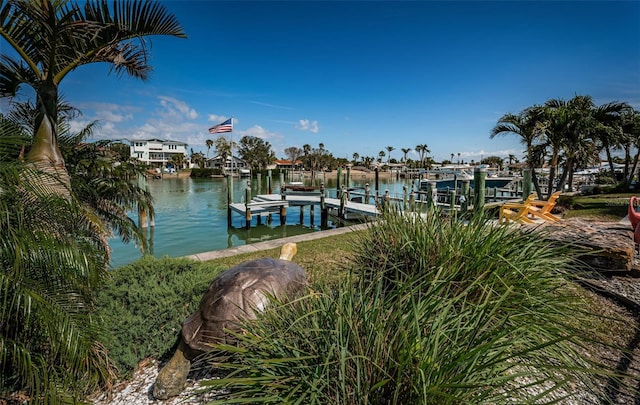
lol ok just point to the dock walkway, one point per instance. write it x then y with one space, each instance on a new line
268 204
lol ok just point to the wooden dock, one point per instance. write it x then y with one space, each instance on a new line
266 205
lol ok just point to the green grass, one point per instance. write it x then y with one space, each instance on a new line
413 312
433 312
605 207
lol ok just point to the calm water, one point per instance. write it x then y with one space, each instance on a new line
191 217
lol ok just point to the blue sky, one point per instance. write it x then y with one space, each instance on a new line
361 76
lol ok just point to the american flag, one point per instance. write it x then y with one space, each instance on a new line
226 126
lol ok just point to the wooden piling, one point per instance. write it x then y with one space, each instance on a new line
526 183
367 193
432 194
247 200
343 197
269 181
229 199
311 214
283 214
452 204
377 179
348 182
479 181
412 200
386 201
464 197
324 214
405 197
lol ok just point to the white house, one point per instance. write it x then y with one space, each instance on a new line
230 165
157 152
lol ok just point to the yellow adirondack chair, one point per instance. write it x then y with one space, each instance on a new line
516 211
542 209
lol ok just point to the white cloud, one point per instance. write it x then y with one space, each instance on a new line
306 125
176 108
282 107
215 118
258 132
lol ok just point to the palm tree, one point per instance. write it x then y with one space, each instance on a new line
306 149
53 38
224 149
178 161
99 180
356 156
209 144
405 151
381 154
630 128
53 260
422 150
389 149
610 130
527 125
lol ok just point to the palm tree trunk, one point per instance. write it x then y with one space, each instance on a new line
552 174
536 182
45 153
627 160
610 160
634 167
567 174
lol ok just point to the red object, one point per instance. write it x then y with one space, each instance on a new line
634 218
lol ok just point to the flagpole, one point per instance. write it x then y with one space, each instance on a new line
233 160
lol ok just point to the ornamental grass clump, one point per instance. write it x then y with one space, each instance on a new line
433 312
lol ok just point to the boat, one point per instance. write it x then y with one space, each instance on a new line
299 186
452 177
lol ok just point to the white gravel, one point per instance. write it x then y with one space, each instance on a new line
138 390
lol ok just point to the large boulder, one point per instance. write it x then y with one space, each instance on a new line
610 245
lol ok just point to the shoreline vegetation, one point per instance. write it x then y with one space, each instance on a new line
327 262
333 174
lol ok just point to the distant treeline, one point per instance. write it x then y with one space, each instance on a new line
207 172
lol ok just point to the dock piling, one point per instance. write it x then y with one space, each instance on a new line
526 183
229 200
324 215
479 180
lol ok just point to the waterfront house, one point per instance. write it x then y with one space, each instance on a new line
232 164
158 153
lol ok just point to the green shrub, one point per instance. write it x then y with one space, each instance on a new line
144 304
435 312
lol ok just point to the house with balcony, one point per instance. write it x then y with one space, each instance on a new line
231 165
158 153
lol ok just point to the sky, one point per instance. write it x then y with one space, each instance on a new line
364 75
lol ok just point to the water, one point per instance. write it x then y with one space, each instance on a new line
191 217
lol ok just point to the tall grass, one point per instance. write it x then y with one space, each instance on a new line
433 312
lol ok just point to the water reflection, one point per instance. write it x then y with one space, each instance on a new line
191 217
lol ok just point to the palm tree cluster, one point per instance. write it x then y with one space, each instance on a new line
61 197
320 158
571 134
